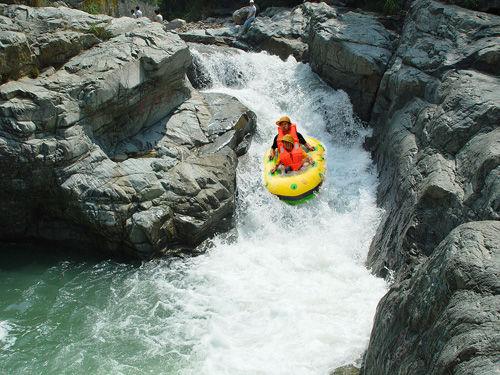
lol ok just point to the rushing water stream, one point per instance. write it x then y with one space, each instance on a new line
287 293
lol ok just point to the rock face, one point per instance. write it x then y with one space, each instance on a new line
351 52
240 15
449 310
437 146
110 146
436 132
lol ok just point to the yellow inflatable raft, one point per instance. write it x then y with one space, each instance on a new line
296 187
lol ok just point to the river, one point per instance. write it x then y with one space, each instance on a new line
286 292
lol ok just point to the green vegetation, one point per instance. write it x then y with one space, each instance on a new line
471 4
109 7
100 32
392 6
94 6
33 3
35 72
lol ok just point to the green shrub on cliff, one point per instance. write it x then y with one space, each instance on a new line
109 7
392 6
100 32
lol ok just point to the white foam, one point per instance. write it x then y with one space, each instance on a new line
291 295
6 340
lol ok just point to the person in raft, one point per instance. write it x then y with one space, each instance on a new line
293 157
285 126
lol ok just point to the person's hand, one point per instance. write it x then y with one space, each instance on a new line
274 169
271 154
309 147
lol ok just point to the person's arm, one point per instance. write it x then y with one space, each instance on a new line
275 142
302 141
274 147
301 138
306 157
278 163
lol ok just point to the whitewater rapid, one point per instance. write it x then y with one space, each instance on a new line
286 292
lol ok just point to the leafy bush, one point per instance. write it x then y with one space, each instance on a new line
93 6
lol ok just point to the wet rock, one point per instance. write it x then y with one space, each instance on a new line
113 148
445 318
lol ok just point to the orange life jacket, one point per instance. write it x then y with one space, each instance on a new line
294 158
292 131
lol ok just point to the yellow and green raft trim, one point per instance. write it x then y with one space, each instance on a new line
298 187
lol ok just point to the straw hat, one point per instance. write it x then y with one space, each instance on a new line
283 119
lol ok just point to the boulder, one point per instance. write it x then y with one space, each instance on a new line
174 24
351 52
444 320
282 34
112 148
240 15
346 370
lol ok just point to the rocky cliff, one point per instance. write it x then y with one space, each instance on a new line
437 147
106 144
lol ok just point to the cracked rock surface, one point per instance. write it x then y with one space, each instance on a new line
110 146
437 146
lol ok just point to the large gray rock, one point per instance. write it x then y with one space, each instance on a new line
436 143
351 52
113 148
436 139
282 34
444 320
240 15
174 24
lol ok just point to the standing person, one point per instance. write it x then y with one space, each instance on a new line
158 17
252 10
286 127
138 12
